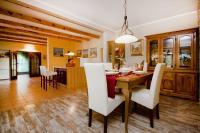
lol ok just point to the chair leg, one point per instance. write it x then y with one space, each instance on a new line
41 80
90 118
123 111
105 123
46 83
134 107
157 111
151 117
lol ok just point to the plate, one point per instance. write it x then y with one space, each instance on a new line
124 71
139 72
111 73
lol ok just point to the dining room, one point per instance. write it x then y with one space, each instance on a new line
113 66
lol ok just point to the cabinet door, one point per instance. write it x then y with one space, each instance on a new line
185 51
168 51
153 52
185 84
168 82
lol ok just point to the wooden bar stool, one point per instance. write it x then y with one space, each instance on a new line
47 76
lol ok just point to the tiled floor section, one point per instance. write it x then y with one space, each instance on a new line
64 111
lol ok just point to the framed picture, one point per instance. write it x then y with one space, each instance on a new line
59 52
79 53
93 52
136 48
85 53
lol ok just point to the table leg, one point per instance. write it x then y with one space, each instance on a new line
127 94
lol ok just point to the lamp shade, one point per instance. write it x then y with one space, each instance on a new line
126 38
70 54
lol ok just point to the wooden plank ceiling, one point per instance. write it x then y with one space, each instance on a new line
13 28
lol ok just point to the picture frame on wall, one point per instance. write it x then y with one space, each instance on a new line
79 53
85 53
136 48
93 52
58 52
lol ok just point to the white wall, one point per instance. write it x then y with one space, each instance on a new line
99 43
175 23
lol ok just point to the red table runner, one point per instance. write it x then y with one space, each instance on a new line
111 83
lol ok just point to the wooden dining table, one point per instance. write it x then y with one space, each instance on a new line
126 84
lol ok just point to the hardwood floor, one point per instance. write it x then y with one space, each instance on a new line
25 90
25 108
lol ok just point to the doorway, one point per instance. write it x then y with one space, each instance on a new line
25 63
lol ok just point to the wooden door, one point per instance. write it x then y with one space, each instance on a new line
153 52
168 82
185 48
185 84
35 62
13 65
168 51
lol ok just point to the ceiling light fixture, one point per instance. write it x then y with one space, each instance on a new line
126 35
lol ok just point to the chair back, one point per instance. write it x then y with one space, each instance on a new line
156 82
43 70
97 87
145 67
108 66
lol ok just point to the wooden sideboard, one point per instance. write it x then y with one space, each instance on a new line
179 50
61 75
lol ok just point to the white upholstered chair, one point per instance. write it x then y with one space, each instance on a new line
145 67
149 98
46 76
98 99
108 66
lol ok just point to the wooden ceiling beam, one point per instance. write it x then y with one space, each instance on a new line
44 32
34 8
20 41
21 34
33 28
21 38
9 28
44 22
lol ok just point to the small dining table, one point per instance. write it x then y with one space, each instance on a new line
126 84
